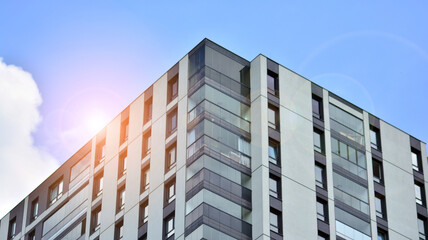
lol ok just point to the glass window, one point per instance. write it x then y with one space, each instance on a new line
321 210
318 141
380 206
144 212
316 107
170 157
147 143
377 172
374 138
320 176
80 166
123 156
170 191
272 83
12 228
95 219
171 122
170 227
274 222
273 117
274 152
120 199
100 151
55 192
419 193
172 88
34 209
148 109
273 187
98 185
124 130
422 228
119 230
145 180
381 235
32 235
416 162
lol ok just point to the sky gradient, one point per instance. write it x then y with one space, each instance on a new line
90 59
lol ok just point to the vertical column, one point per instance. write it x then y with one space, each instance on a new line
259 149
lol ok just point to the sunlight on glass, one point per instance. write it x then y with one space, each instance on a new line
96 122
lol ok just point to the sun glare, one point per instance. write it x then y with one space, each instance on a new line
96 122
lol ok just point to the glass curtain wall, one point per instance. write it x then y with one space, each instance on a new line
218 143
349 175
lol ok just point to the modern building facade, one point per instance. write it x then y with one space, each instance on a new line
224 148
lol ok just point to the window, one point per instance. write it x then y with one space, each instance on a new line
317 107
416 160
274 187
170 157
320 179
95 219
273 117
118 230
169 226
124 131
274 152
144 212
382 235
12 228
380 206
377 172
171 122
172 88
147 143
422 227
322 211
319 141
120 199
148 109
272 83
170 191
55 191
145 180
374 138
275 221
80 166
98 184
100 152
34 209
123 158
32 235
419 193
83 227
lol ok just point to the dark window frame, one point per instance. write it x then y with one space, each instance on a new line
148 110
320 149
145 171
58 186
324 205
98 184
122 163
168 164
272 192
275 78
124 131
171 126
317 112
96 218
168 198
276 147
100 152
276 123
120 200
147 143
377 171
172 85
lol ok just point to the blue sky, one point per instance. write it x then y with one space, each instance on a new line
98 56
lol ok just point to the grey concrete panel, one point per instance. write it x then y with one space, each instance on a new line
299 221
295 93
399 185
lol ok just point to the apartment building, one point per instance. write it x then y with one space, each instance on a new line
220 147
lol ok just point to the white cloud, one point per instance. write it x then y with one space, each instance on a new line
22 165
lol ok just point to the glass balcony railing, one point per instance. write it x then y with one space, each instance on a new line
347 132
349 166
351 201
224 81
219 112
218 147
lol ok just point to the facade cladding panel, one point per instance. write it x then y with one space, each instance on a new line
223 148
